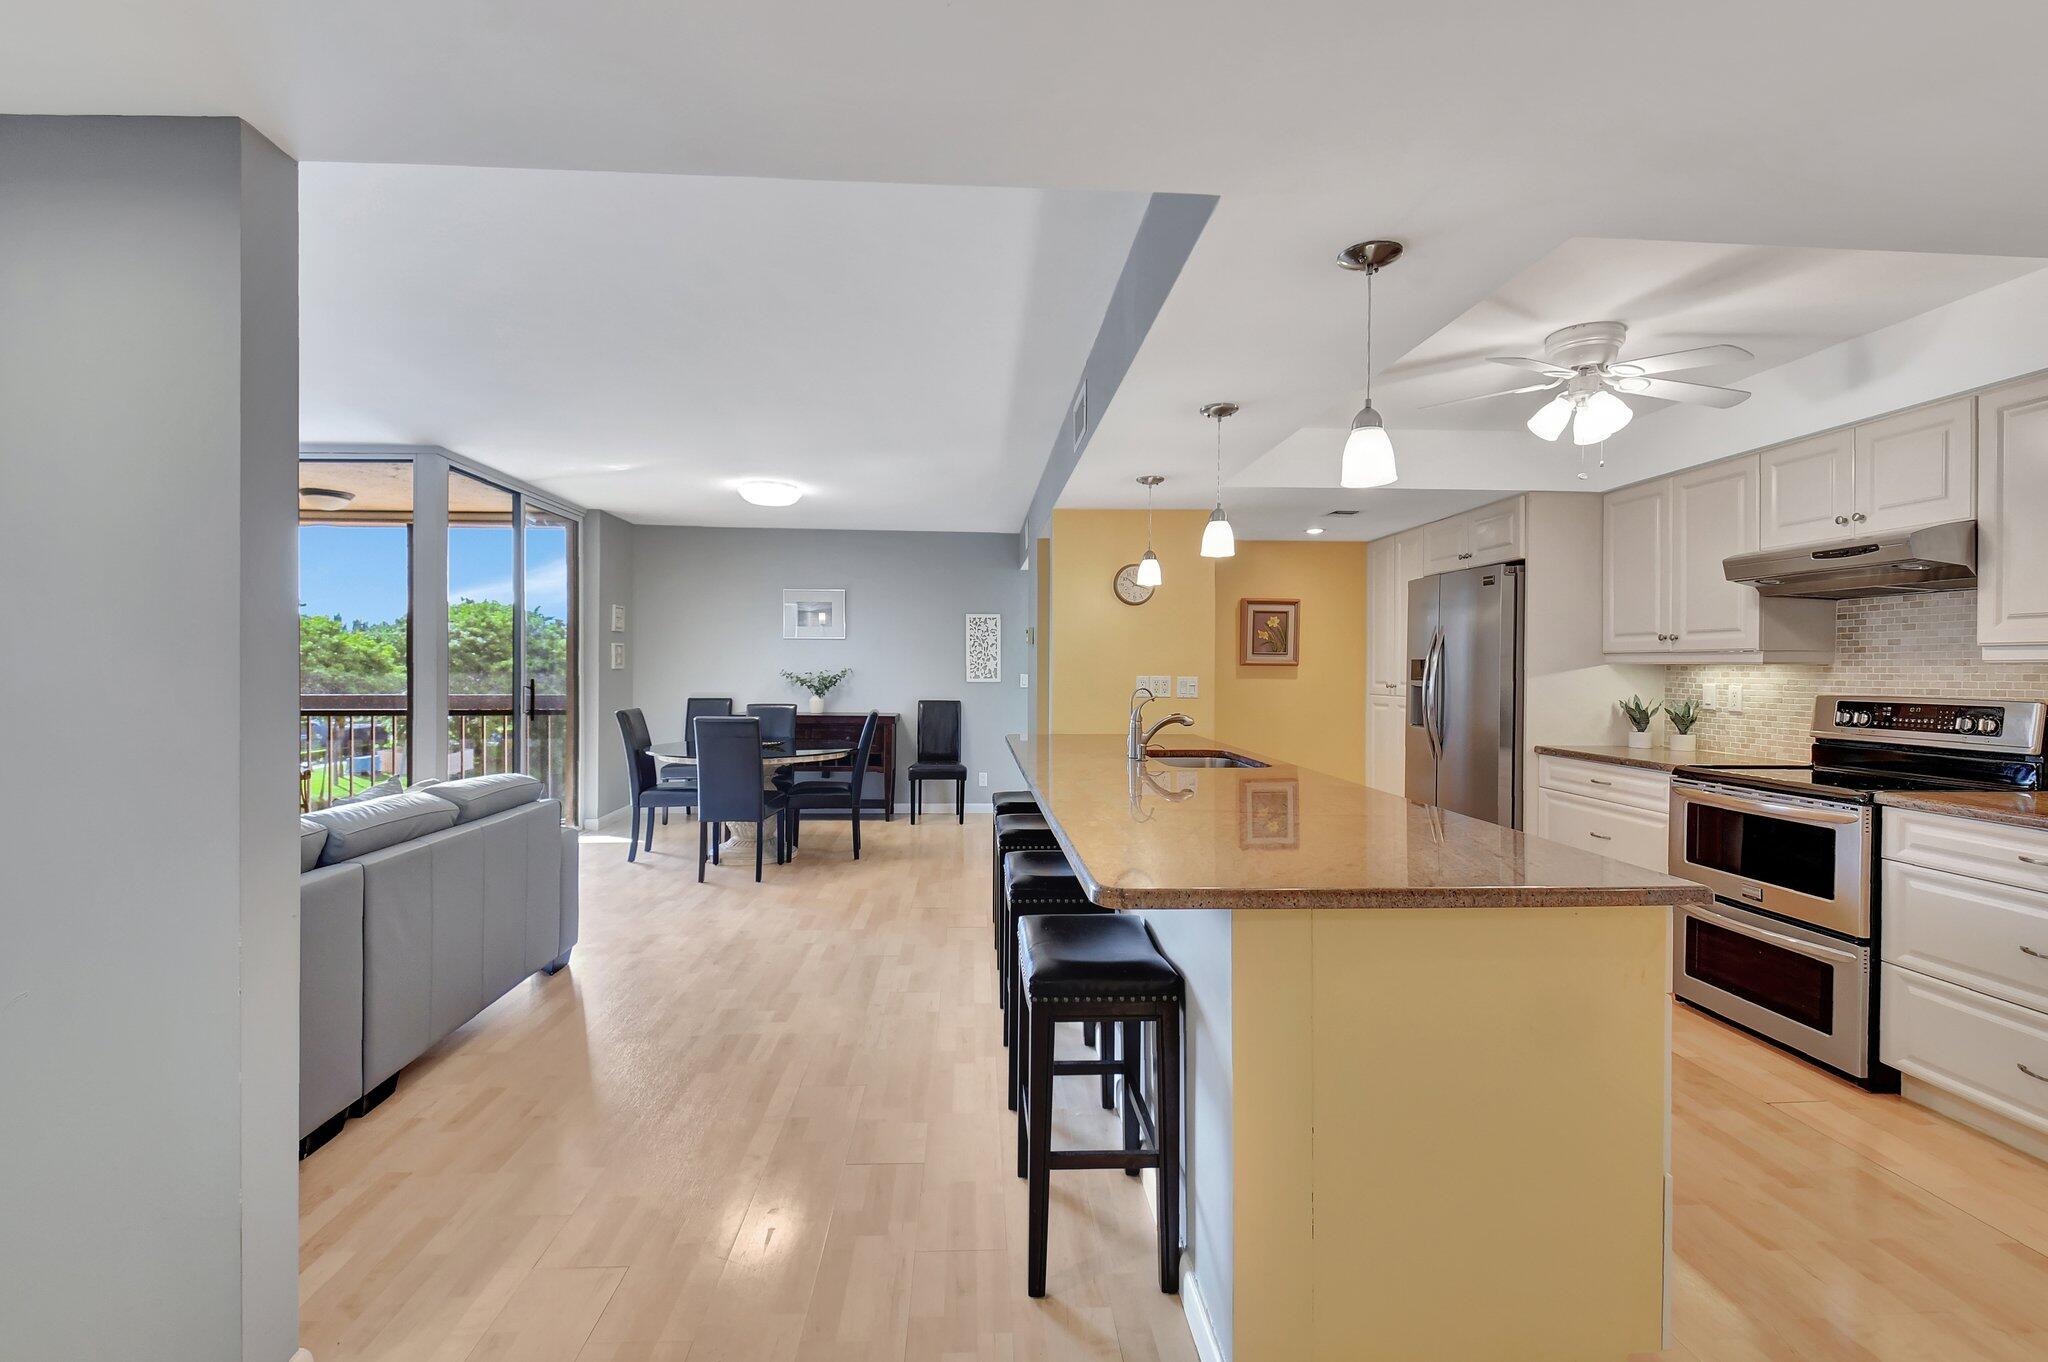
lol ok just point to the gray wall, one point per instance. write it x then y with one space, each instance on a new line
149 986
705 619
607 580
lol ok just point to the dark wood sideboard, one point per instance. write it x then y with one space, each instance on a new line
834 730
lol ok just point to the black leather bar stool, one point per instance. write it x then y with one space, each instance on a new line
1105 968
1013 801
1038 882
1014 832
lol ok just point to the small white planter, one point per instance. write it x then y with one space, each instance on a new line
1684 742
1638 739
817 704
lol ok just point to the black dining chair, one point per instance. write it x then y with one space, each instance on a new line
778 724
729 789
834 793
938 754
695 708
644 782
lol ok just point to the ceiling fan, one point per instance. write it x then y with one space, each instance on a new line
1583 363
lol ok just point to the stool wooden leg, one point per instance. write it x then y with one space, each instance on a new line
1088 1034
1105 1048
1167 1118
1038 1100
1129 1044
1013 1031
1017 1053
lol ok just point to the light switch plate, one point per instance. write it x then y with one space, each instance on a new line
1023 680
1710 695
1734 698
1188 687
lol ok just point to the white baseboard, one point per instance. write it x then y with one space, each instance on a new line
1207 1346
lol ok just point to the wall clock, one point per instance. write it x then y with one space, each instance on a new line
1127 587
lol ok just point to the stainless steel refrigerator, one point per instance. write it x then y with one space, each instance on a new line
1465 692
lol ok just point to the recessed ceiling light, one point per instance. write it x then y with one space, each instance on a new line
770 492
1315 529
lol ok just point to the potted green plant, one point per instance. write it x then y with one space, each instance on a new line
1683 714
1639 715
819 684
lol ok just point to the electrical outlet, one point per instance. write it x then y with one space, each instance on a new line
1734 698
1188 687
1023 680
1710 695
983 780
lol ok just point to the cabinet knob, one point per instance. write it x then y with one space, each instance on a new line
1463 556
1601 836
1841 520
1859 517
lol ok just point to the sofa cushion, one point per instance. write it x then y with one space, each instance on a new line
481 796
388 786
358 829
312 838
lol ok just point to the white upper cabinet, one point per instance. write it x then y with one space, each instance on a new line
2012 507
1916 468
1382 626
1491 534
1713 518
1809 490
1635 609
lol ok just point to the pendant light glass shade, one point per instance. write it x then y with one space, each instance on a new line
1368 453
1148 569
1551 418
1218 539
1600 415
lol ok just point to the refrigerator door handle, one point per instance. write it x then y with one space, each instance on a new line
1433 695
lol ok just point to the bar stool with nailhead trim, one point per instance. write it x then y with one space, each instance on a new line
1105 968
1039 882
1015 832
1014 801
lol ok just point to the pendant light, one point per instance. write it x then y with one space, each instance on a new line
1218 539
1368 452
1148 566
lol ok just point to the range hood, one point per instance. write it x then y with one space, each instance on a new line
1932 558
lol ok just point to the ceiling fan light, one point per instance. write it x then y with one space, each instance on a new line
1218 539
1368 452
1148 569
1550 419
1600 416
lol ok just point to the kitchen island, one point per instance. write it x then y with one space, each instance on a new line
1428 1078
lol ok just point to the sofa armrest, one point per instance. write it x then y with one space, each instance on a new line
330 992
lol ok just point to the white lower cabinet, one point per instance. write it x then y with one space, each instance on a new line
1617 811
1386 743
1964 1003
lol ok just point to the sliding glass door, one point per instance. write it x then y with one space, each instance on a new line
548 650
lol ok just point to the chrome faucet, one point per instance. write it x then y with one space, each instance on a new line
1141 737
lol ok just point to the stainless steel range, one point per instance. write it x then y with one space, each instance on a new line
1789 947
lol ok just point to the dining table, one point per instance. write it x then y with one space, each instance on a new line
775 756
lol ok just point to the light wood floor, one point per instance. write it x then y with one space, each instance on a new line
766 1122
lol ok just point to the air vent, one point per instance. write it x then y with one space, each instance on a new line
1331 513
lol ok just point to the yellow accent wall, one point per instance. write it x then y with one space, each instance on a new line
1312 715
1101 646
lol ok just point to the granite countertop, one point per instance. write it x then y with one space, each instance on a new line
1663 758
1283 836
1991 806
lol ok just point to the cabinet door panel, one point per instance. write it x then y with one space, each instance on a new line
1386 737
1445 544
1383 629
1635 560
2012 506
1917 468
1808 490
1631 835
1713 517
1495 533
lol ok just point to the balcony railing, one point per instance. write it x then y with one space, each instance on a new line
349 743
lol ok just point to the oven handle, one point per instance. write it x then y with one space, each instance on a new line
1746 802
1811 949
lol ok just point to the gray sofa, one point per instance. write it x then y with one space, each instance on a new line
416 912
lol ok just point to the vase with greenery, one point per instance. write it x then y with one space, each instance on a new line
1683 714
1639 715
819 684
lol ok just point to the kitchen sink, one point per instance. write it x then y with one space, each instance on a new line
1202 760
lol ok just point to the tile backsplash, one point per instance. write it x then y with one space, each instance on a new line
1884 645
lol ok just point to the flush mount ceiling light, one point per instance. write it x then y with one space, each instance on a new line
324 498
1368 452
1218 540
1313 529
769 492
1148 566
1582 365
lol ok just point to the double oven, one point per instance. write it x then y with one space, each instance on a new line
1787 946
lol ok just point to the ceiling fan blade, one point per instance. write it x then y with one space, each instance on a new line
1541 366
1671 361
1678 390
1504 392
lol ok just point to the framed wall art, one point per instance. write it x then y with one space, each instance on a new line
814 612
1268 633
984 647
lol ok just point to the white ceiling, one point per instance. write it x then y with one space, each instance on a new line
1484 136
638 343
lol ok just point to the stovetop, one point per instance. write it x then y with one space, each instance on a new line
1866 745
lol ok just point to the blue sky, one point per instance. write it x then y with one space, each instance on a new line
358 571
